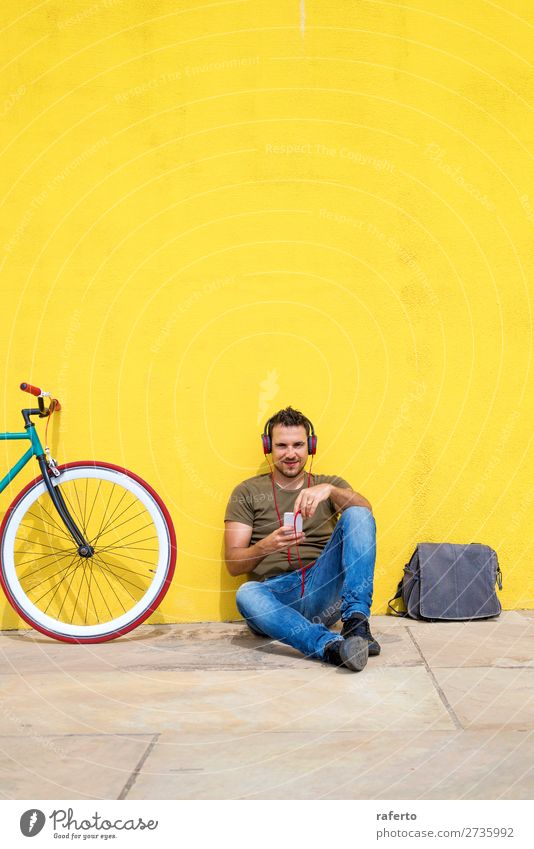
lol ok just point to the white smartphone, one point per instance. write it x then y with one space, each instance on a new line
289 519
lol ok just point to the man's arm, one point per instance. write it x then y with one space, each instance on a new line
342 498
241 557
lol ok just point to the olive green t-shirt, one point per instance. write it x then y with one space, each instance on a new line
252 503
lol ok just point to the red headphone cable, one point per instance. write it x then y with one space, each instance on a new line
302 568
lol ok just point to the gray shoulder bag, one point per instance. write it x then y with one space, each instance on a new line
447 581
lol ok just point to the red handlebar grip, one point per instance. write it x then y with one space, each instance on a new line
33 390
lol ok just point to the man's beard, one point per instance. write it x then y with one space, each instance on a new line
291 471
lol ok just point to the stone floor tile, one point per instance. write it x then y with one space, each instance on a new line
460 644
72 767
154 700
214 645
490 697
340 765
208 646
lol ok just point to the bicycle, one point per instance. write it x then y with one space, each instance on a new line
87 549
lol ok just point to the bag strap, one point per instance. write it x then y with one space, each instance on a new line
398 594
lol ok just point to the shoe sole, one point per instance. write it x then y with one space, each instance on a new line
354 653
374 647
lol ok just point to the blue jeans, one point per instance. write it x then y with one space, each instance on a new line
340 583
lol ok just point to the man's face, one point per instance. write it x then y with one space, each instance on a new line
290 449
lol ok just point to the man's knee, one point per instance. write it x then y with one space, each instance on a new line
358 516
359 524
241 597
248 597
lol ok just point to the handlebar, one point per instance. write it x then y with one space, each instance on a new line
33 390
54 405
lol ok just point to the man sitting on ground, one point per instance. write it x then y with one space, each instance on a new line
303 582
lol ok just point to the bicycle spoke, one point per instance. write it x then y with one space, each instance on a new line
46 545
94 502
54 519
120 578
131 534
107 528
125 568
75 605
68 590
116 549
85 501
106 510
54 586
34 559
112 588
148 525
103 529
71 507
131 545
109 567
46 566
82 517
48 533
52 522
127 547
136 559
89 595
104 599
49 577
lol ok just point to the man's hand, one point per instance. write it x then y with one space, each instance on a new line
281 539
241 557
308 499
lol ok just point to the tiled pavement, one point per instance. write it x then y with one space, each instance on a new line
208 711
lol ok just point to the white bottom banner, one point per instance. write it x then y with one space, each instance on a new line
312 823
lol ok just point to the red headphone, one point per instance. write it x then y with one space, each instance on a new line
268 444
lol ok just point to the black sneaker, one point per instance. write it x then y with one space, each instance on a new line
358 626
351 652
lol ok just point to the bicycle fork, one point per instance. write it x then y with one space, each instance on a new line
84 548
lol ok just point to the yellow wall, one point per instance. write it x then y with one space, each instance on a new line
211 210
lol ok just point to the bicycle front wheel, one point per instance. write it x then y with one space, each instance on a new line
94 599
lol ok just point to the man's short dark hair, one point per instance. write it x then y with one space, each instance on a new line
288 418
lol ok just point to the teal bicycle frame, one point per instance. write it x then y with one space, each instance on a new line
35 450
